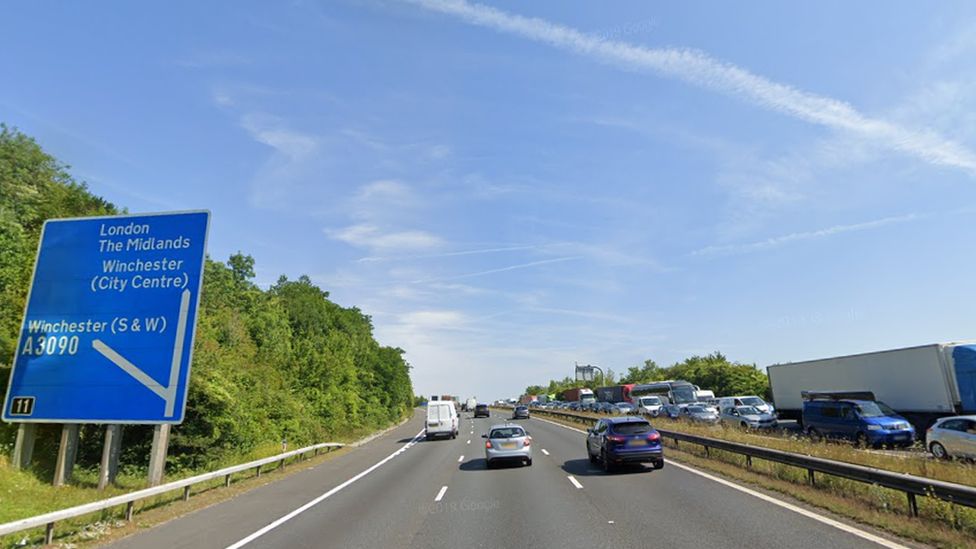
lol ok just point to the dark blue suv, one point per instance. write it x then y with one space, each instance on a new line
866 422
618 440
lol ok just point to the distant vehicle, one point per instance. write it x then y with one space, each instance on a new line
614 393
920 383
704 396
676 392
574 406
528 399
671 411
618 440
699 414
520 412
711 404
748 416
507 442
471 404
481 410
750 400
855 416
623 408
579 394
650 405
442 420
952 437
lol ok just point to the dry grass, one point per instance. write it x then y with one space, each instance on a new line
940 524
912 463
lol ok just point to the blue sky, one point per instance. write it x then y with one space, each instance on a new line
511 187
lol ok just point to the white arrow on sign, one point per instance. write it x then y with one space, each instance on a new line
168 392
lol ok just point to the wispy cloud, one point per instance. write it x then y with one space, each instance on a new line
499 270
699 68
733 249
372 237
478 251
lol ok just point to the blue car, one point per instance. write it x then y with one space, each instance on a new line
866 422
618 440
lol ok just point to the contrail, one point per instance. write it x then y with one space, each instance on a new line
698 68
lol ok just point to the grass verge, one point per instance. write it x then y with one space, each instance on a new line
22 495
939 524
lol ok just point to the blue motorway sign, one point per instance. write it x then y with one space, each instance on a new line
109 323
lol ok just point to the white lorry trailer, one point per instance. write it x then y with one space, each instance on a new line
921 383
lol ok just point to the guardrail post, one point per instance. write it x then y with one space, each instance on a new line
281 464
226 481
811 478
912 504
748 461
708 453
316 451
129 510
186 493
49 533
257 471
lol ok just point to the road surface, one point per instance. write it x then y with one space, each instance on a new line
402 491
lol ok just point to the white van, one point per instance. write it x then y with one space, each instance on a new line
751 400
442 419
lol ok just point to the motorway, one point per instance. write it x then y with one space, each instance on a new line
402 491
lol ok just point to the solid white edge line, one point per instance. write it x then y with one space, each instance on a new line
575 482
544 451
460 459
323 497
799 510
796 509
440 494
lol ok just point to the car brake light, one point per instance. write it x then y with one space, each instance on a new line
654 436
528 440
616 438
487 444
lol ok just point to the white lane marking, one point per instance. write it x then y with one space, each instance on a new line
460 459
809 514
468 442
544 451
441 493
324 496
575 482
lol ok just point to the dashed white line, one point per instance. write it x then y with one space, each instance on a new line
468 442
575 482
324 496
441 493
799 510
544 451
460 459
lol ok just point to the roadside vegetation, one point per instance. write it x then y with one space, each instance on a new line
714 371
275 364
940 524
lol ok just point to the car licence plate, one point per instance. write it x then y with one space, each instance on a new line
637 443
901 437
508 445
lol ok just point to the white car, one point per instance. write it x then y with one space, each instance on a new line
749 400
508 442
952 437
650 405
442 419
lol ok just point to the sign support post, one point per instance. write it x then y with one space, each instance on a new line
24 446
157 455
67 451
110 456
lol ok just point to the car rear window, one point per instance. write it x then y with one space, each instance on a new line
632 428
507 432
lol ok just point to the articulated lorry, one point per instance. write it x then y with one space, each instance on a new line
580 394
920 383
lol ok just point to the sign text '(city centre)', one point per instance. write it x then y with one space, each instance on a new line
108 329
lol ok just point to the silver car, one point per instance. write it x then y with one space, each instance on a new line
952 437
507 442
748 416
699 414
